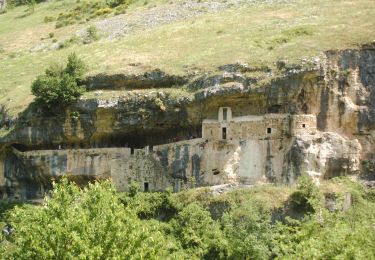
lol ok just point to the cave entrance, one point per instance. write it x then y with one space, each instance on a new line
224 133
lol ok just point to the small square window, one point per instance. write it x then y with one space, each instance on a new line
303 125
269 130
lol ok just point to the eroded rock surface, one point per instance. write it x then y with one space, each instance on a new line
338 90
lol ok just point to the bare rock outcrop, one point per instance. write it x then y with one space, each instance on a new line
323 156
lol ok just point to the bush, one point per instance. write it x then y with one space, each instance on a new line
60 86
48 19
69 42
92 35
307 198
249 231
103 11
87 223
198 234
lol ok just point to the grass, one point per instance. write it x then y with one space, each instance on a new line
257 34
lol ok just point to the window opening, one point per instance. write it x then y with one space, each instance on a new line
269 130
224 133
304 125
145 187
225 113
132 150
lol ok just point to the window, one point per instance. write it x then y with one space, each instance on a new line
145 187
303 125
225 114
269 130
132 150
224 133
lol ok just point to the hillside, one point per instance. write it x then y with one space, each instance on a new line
187 129
177 37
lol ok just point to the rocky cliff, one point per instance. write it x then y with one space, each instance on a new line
147 110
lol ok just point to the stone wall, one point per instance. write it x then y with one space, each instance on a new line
271 126
303 124
185 164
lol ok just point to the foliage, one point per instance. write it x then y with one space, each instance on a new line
87 10
31 6
60 86
96 222
198 234
69 42
89 223
307 198
249 230
91 35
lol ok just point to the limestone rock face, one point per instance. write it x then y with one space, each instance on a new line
323 156
338 92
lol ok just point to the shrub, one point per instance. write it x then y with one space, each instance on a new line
60 86
307 198
248 228
103 11
115 3
198 234
87 223
92 35
69 42
48 19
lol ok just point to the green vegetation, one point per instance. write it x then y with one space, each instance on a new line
92 34
60 86
96 222
259 33
87 10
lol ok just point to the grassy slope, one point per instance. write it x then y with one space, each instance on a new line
240 34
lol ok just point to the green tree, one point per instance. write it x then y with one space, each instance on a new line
248 228
198 234
307 198
60 86
88 223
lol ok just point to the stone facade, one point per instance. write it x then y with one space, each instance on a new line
253 151
270 126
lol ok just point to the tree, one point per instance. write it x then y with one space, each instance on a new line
88 223
198 234
248 228
60 86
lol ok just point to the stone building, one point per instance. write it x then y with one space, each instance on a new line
246 149
270 126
